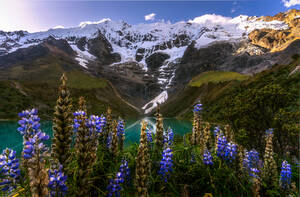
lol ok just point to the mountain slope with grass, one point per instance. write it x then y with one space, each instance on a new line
34 83
269 99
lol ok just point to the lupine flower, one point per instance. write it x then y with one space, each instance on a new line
34 145
269 131
207 158
57 182
109 140
254 172
230 151
250 163
29 123
114 186
216 131
221 145
251 159
9 170
198 108
169 137
149 135
120 128
166 163
269 171
77 119
143 165
285 175
226 151
125 171
159 134
96 123
102 123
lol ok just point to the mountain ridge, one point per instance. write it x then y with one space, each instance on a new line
150 61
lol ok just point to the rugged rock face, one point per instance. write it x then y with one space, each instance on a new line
102 49
156 60
276 40
224 56
31 53
131 81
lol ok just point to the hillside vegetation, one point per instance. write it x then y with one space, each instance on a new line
23 86
216 76
268 99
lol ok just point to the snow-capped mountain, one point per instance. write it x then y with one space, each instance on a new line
155 49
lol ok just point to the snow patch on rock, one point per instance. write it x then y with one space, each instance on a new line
161 98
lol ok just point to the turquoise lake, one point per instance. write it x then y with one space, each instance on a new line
11 138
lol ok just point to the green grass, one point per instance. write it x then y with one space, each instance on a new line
38 82
215 77
78 79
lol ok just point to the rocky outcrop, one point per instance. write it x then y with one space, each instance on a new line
58 46
224 56
102 49
34 52
277 40
156 60
131 81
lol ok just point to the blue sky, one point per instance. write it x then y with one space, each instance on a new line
37 15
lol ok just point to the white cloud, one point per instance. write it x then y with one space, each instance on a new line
289 3
233 10
150 17
58 27
211 18
83 24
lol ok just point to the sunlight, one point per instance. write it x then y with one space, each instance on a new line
15 15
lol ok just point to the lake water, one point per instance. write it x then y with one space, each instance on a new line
11 138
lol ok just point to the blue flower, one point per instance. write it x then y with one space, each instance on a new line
34 145
226 151
198 108
29 123
251 160
78 116
169 137
102 124
125 171
269 131
94 123
221 145
254 172
285 175
149 134
207 158
120 128
57 182
166 163
9 170
109 140
217 131
231 151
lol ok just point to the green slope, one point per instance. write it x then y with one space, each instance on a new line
35 84
269 99
215 77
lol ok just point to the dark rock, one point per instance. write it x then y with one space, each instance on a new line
23 54
156 60
102 49
81 43
139 54
61 45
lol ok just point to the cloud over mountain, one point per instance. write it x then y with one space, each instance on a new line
289 3
150 17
